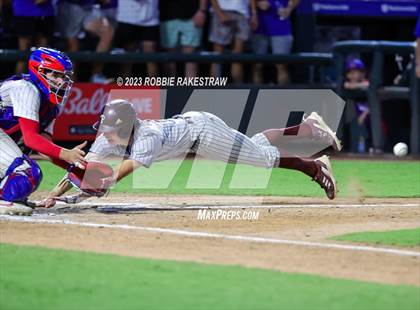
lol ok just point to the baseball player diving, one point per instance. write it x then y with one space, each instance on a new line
29 104
143 142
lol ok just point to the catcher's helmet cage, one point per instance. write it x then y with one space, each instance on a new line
43 60
118 115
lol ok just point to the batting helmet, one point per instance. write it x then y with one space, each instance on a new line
118 115
45 60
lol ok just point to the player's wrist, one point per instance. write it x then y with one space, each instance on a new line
53 194
64 155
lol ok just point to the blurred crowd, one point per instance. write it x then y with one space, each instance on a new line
179 26
148 26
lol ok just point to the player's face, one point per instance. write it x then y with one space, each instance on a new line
59 82
114 139
355 76
58 79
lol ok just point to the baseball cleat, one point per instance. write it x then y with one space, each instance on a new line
321 131
324 176
13 208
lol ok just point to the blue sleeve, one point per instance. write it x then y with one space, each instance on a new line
418 28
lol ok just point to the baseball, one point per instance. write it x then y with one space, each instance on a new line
400 149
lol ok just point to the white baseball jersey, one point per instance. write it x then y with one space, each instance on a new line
23 96
199 132
9 152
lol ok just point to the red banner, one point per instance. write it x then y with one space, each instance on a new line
85 104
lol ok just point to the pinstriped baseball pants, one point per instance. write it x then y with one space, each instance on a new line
218 141
8 152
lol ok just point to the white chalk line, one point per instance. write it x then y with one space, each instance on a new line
216 235
263 206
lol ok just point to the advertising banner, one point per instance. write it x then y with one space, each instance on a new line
85 104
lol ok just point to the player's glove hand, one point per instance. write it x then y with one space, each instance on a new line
94 180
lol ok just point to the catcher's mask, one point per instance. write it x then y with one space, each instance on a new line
117 115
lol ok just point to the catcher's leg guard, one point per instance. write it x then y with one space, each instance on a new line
22 178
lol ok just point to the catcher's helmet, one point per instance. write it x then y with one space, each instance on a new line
117 115
44 60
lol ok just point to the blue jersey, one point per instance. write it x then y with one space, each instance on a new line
269 22
29 8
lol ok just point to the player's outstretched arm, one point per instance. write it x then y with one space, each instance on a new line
59 190
87 181
127 167
64 185
124 169
37 142
56 161
75 155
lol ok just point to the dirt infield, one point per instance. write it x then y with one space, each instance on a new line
290 234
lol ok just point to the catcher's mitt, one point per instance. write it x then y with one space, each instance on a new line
94 180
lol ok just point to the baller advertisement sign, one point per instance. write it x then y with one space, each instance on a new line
85 104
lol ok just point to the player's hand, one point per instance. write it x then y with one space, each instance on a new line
199 19
107 182
75 155
263 5
48 202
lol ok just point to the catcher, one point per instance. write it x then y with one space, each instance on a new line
142 142
29 105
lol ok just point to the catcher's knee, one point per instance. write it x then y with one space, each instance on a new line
22 178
